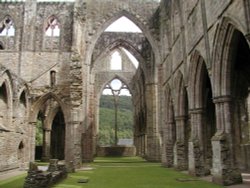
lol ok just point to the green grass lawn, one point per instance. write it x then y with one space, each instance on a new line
132 172
14 182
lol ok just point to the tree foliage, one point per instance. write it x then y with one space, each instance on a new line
39 133
107 119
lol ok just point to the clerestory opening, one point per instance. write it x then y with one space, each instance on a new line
123 24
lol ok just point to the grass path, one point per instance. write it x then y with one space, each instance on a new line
131 173
122 173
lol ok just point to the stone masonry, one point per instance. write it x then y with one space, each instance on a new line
191 90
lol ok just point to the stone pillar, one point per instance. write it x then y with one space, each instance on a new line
180 145
73 147
27 40
143 146
46 144
196 161
153 137
32 133
169 144
224 170
247 13
139 144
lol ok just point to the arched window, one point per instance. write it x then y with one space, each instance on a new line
52 28
20 151
116 61
52 78
23 99
7 27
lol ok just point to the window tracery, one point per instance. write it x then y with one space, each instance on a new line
52 28
7 27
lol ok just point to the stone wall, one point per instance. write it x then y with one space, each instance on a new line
118 151
185 91
191 35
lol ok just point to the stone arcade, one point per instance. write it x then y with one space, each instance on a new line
191 91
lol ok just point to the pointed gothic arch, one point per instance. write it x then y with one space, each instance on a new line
202 116
117 44
230 71
52 26
7 26
222 54
134 19
182 123
7 80
196 80
41 101
181 95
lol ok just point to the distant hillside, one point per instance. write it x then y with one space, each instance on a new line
125 102
107 117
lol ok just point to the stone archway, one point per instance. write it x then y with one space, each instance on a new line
231 84
202 117
182 124
46 109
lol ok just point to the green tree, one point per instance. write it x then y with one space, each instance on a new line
107 116
39 133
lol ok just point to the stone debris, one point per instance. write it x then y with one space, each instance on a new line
43 179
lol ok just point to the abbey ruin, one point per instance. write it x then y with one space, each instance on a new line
191 91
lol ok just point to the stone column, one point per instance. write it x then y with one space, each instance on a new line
247 145
196 159
73 145
144 143
46 144
27 39
247 12
152 139
32 133
180 145
224 170
169 144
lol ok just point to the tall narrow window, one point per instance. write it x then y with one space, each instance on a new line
52 78
1 46
116 61
7 27
52 28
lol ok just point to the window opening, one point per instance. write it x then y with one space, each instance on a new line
116 61
52 78
3 93
7 27
21 145
23 99
123 24
52 29
116 87
1 46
